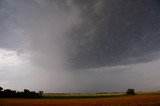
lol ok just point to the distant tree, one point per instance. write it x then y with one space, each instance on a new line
19 94
1 88
1 92
26 91
130 92
40 93
7 92
13 93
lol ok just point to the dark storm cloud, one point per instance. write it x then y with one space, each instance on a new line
79 45
82 34
115 32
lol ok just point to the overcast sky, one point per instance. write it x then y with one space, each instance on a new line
80 45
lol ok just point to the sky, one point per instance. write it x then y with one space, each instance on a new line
80 46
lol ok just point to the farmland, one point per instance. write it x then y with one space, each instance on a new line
148 99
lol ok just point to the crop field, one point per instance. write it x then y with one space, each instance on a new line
80 96
86 100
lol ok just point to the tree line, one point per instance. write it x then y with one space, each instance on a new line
8 93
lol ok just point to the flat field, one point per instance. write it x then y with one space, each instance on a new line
135 100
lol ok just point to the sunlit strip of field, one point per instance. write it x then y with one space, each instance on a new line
78 96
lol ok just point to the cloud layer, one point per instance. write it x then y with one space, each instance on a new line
79 45
115 32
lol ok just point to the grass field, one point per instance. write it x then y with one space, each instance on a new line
81 96
149 99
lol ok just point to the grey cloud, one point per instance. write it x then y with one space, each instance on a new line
85 39
39 28
115 32
82 34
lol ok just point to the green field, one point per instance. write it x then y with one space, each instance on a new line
81 96
78 96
